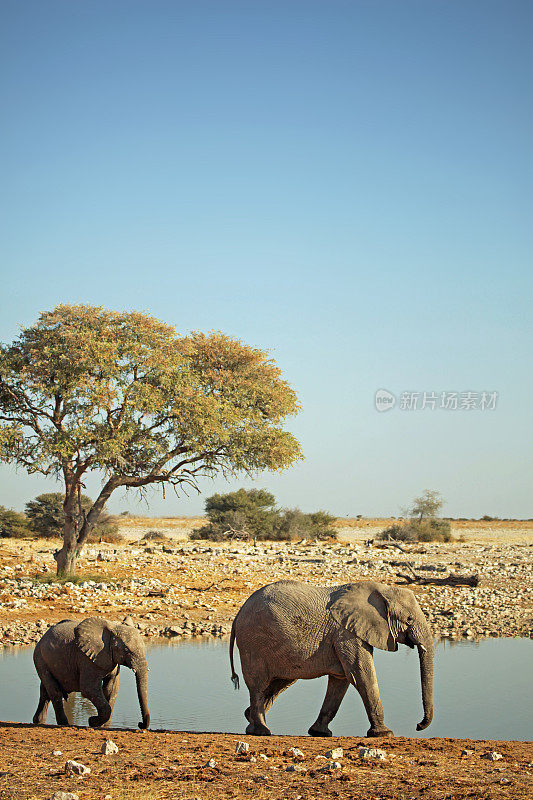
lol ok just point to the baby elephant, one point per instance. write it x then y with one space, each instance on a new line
86 657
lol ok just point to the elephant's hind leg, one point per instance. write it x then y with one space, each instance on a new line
276 687
256 713
263 701
54 693
335 692
39 718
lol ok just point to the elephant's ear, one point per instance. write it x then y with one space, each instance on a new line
93 637
362 609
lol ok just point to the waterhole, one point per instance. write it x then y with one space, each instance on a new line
482 691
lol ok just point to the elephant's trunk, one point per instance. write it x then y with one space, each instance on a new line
141 680
425 652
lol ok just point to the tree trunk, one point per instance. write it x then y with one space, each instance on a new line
66 557
75 534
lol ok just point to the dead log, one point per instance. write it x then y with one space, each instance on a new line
450 580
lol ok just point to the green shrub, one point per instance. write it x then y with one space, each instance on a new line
428 530
242 512
46 518
294 524
253 514
13 524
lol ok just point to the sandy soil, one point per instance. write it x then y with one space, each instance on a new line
159 765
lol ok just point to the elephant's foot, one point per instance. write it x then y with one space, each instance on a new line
317 730
383 731
256 729
98 722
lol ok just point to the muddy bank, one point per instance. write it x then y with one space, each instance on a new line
160 765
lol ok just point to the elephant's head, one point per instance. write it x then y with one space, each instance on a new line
108 644
382 616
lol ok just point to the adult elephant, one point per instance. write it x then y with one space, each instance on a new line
290 630
86 657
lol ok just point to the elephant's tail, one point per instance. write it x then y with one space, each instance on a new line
234 676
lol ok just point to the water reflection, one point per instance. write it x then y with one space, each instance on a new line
481 691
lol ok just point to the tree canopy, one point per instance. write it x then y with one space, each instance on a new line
428 505
86 388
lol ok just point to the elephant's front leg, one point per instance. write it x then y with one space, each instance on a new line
337 688
110 690
358 664
91 688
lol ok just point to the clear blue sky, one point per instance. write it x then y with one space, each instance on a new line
346 184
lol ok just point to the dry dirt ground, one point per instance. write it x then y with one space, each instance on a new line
155 765
195 589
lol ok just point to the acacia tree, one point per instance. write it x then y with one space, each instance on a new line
427 506
88 389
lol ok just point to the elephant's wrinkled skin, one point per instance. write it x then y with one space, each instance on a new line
86 657
289 630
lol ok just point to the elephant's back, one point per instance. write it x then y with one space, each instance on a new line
286 618
288 597
57 637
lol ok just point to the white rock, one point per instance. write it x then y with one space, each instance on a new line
252 759
263 757
57 753
372 752
335 753
241 747
295 768
210 764
331 766
64 796
493 756
109 747
296 753
76 768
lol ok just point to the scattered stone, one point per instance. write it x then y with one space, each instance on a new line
372 752
263 757
334 754
492 756
76 768
109 748
320 758
466 752
296 753
331 766
64 796
295 768
241 747
252 759
210 764
57 753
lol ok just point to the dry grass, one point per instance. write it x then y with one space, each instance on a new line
169 523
